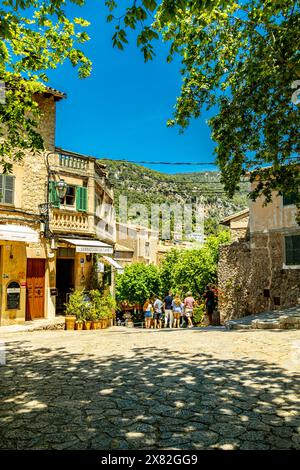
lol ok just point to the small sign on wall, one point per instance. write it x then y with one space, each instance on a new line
13 292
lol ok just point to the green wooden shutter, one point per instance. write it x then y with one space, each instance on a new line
292 250
53 196
81 199
9 189
290 198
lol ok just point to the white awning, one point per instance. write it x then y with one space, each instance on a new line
18 233
89 246
116 265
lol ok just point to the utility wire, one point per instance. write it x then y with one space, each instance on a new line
157 163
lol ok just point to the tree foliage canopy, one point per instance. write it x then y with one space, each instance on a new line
35 36
240 58
138 283
180 271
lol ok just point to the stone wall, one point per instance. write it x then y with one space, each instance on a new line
34 178
238 233
251 278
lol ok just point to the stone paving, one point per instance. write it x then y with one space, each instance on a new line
276 319
148 389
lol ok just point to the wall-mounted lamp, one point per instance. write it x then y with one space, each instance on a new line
61 188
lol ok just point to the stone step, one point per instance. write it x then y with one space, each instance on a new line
283 319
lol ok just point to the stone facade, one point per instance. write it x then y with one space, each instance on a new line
31 178
141 241
238 224
252 275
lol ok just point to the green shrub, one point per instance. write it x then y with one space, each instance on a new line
198 314
76 305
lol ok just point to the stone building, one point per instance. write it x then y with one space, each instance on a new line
261 271
238 224
56 216
135 244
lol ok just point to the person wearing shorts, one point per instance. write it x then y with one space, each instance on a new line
148 309
158 312
189 302
177 310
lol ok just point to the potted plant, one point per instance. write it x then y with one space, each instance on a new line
74 309
79 324
95 297
89 315
107 306
105 314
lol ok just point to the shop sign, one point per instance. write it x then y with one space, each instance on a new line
94 249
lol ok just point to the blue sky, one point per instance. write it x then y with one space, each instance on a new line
120 112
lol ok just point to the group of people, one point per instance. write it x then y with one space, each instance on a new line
175 312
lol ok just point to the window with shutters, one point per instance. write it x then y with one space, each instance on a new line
70 197
292 250
53 196
81 199
7 187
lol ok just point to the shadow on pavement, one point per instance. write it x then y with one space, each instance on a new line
155 398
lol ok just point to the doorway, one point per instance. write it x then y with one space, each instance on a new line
64 282
35 289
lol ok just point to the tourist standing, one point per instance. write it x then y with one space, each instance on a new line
158 311
177 307
168 310
148 309
209 303
189 303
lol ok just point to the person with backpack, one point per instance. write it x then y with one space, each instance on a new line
158 312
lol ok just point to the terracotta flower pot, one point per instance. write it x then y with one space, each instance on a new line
95 325
87 325
70 322
79 325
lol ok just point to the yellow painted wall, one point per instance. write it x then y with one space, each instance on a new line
274 216
13 268
82 271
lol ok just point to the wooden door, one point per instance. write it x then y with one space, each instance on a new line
35 291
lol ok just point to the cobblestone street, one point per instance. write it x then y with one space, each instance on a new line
149 389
